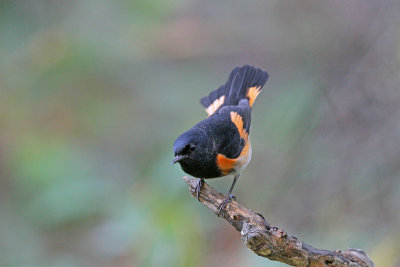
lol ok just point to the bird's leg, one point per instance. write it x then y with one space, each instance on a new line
198 187
230 197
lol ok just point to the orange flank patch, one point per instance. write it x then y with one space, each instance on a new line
244 157
238 121
225 165
245 135
228 165
215 105
253 93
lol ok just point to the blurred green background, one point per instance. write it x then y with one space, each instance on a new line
94 92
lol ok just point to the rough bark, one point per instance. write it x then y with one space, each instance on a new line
272 242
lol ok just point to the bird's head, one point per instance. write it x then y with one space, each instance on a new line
192 147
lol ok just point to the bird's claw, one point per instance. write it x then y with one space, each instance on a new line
198 188
225 202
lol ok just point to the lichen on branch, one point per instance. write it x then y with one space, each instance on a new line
272 242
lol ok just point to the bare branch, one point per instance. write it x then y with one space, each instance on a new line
271 242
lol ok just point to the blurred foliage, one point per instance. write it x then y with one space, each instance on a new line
93 94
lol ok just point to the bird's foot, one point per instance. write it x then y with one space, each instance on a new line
226 201
198 187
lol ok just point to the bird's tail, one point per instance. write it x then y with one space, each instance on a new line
243 82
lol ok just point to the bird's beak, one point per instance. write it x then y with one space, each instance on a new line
178 158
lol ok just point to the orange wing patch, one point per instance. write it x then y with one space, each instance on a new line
253 93
238 121
215 105
225 165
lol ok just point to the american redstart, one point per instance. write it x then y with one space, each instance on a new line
219 145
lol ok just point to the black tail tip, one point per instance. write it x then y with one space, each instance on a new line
252 69
252 76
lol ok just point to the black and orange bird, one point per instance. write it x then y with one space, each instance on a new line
219 145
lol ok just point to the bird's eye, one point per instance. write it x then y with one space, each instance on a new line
192 147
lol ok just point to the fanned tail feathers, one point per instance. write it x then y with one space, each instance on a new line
243 82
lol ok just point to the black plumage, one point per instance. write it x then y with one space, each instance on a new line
219 145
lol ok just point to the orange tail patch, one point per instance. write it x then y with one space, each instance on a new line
238 121
253 93
215 105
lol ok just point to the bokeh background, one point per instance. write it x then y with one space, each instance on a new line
94 92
